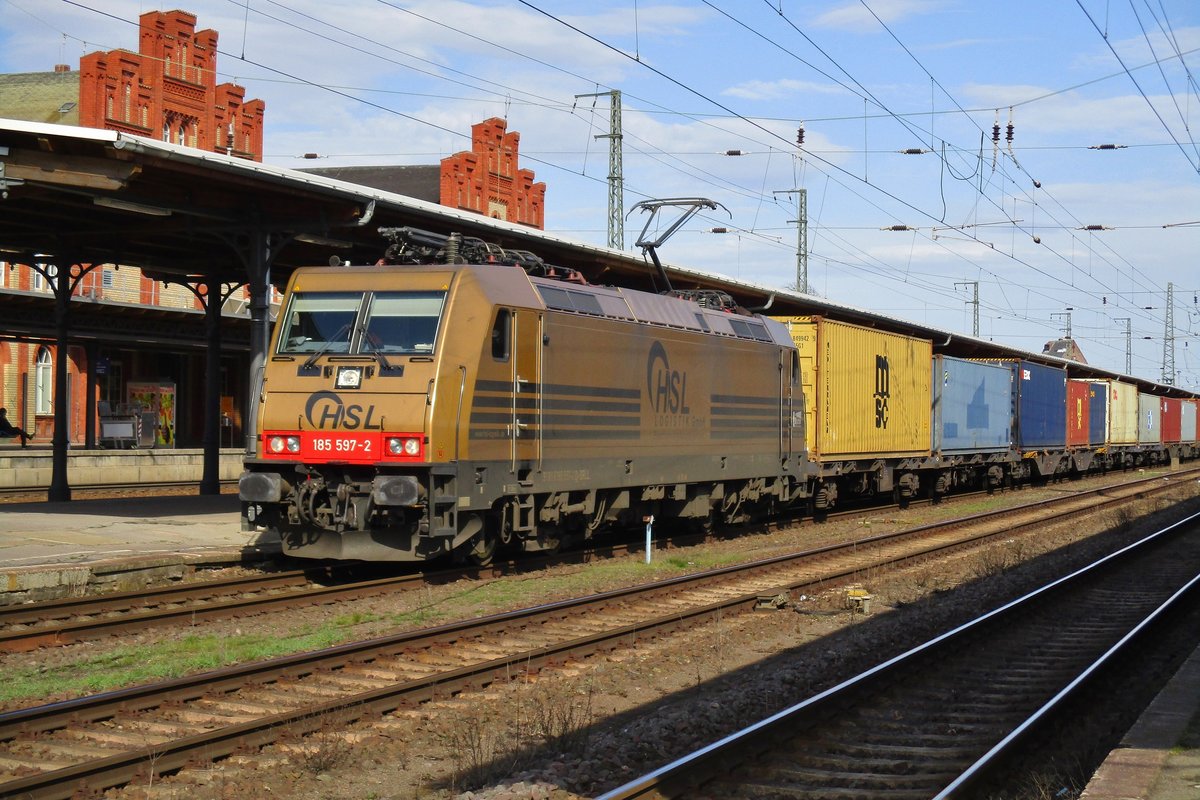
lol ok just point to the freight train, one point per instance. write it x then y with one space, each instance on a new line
456 399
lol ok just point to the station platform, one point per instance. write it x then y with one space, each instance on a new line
50 550
31 467
1159 757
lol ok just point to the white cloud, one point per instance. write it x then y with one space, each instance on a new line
776 89
856 18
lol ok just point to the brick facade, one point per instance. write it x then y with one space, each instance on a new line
168 90
486 179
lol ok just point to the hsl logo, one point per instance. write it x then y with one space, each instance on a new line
666 387
327 410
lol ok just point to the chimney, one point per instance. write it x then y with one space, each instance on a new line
62 67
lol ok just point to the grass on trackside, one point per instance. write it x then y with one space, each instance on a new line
129 666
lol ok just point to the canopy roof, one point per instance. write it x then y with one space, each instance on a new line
82 195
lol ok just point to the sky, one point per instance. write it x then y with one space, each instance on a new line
1082 218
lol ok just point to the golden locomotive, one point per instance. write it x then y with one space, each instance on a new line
457 398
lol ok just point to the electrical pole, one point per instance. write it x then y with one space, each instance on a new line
1128 343
616 178
974 302
801 221
1066 314
1168 365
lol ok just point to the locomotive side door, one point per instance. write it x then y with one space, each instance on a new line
526 426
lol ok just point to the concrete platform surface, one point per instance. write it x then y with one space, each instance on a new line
54 549
1157 759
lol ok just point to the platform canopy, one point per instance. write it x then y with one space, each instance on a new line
82 195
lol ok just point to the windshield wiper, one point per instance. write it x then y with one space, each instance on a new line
385 366
311 361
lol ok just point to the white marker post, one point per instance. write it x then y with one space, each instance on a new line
649 524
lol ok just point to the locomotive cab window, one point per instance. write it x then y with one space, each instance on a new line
319 322
402 323
500 334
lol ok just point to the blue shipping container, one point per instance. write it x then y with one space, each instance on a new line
1097 413
972 406
1040 397
1041 393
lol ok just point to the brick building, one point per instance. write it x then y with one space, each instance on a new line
166 90
487 179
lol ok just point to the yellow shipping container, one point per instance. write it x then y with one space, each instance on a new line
867 392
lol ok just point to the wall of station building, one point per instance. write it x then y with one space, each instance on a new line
27 368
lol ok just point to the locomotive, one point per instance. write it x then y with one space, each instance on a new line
457 398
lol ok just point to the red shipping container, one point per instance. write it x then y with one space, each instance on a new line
1172 419
1078 413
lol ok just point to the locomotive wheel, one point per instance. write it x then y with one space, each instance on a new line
482 549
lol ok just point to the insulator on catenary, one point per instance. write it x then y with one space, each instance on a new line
800 136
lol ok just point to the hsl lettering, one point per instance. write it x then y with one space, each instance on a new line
666 387
326 409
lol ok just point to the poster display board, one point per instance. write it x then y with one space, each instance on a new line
154 402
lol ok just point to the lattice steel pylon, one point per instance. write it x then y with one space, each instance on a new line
1168 365
616 178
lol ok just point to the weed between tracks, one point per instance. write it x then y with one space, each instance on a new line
489 742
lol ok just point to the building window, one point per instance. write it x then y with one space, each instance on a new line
108 278
44 383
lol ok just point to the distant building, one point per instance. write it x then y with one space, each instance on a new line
487 180
484 179
1065 348
167 90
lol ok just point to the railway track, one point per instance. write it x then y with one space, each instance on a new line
948 718
86 491
57 622
112 738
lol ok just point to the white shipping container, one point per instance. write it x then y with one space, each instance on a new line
1149 418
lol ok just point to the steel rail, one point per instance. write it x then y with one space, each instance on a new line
168 756
677 778
63 632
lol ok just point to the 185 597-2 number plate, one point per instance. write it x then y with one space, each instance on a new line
341 446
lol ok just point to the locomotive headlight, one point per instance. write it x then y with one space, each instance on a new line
403 446
284 444
349 377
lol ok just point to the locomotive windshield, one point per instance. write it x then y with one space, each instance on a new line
400 323
319 322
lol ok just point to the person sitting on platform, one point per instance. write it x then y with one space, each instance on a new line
8 429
